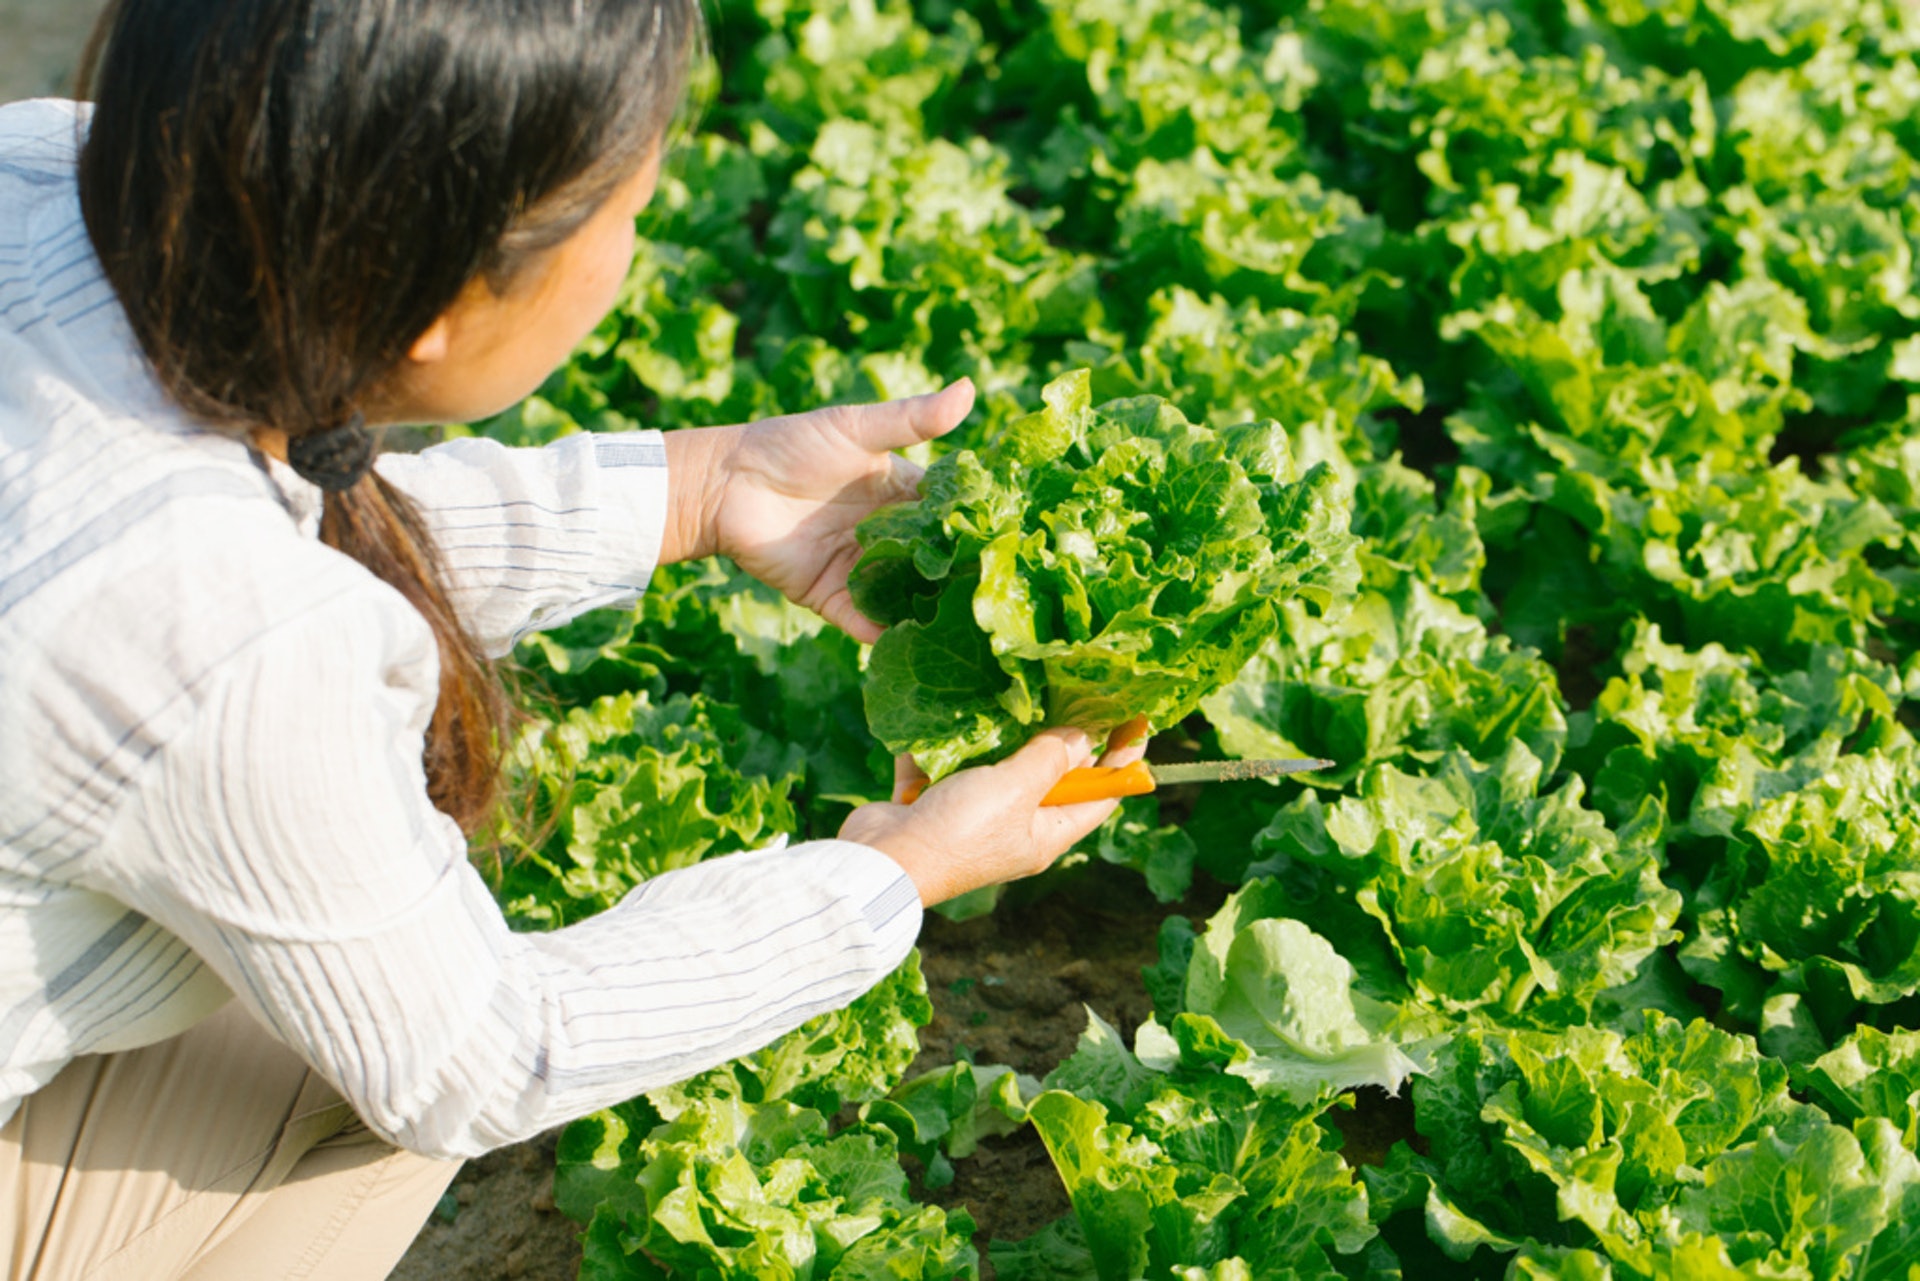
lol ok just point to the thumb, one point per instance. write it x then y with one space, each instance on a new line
901 424
1030 773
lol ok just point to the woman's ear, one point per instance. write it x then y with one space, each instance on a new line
432 346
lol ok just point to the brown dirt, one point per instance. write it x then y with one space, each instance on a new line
498 1221
1373 1124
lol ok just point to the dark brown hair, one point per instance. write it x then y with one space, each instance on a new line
286 193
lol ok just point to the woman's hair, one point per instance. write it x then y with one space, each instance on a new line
285 194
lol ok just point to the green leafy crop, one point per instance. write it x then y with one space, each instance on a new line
1515 401
1818 898
624 789
751 1192
1089 566
1266 999
1673 1151
1495 893
1409 672
1175 1173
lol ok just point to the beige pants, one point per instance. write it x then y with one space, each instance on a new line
215 1156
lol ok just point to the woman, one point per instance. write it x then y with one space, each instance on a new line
256 1002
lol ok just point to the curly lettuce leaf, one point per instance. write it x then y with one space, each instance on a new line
1673 1151
1713 732
941 1115
1870 1074
851 1055
1410 671
625 789
747 1192
1091 566
1496 897
1222 363
1184 1171
1817 901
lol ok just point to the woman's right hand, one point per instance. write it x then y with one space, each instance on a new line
986 825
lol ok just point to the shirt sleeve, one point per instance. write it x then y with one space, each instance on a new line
285 834
533 537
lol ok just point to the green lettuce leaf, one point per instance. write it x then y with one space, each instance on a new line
1674 1151
1714 732
1197 1181
1269 1001
1870 1074
855 1054
1221 364
1816 896
625 789
1091 566
1494 896
746 1192
1409 672
940 1116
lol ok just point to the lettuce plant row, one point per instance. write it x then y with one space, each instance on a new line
1516 402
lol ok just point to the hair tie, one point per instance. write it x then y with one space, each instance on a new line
335 460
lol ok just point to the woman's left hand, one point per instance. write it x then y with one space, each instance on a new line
782 497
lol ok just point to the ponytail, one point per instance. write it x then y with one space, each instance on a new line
379 526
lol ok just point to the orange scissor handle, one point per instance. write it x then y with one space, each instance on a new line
1100 783
1091 783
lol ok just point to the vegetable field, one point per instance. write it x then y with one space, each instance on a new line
1517 403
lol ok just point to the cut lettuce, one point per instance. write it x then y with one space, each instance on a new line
1092 565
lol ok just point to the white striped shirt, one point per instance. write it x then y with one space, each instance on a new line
210 738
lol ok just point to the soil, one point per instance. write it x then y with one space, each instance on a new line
498 1221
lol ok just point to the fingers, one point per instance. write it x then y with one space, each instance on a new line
1031 772
900 424
906 775
903 478
1127 743
839 610
1058 828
